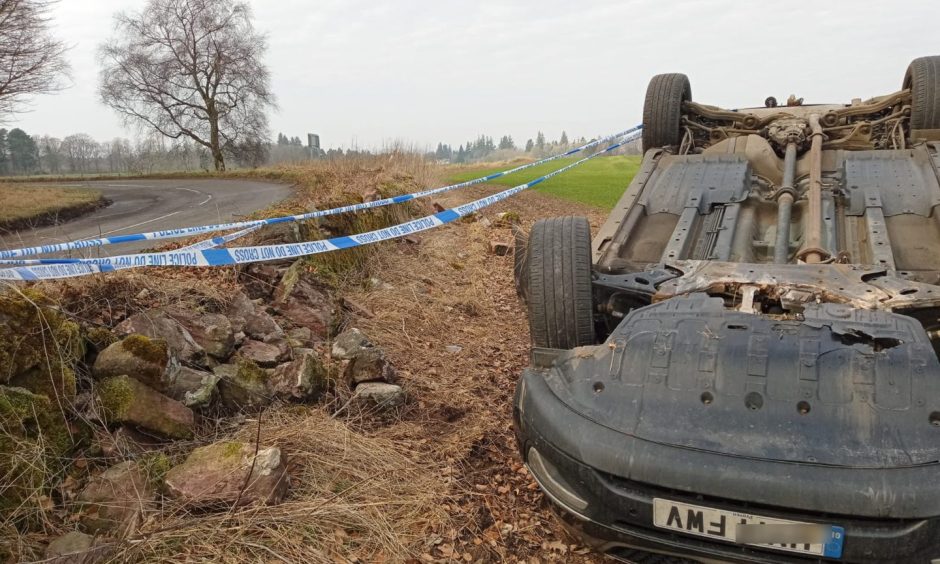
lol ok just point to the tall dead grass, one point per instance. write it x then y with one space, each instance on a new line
352 497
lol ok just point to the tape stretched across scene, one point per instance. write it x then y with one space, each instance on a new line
191 257
196 230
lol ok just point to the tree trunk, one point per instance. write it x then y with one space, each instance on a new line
218 159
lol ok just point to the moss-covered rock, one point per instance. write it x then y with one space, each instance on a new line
243 385
34 439
100 338
145 359
125 400
39 347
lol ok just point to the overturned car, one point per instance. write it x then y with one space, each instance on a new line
742 365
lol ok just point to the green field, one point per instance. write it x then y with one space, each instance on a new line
599 182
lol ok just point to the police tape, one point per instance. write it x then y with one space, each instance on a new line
243 255
200 246
5 255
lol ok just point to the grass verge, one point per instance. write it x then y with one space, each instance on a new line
599 182
24 206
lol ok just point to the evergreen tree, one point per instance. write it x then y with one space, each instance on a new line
23 151
540 140
506 142
282 139
529 145
564 138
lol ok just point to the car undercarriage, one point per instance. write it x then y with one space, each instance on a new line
742 364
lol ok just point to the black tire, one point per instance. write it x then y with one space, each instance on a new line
662 110
520 266
561 311
923 78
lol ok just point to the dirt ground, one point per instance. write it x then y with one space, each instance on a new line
446 311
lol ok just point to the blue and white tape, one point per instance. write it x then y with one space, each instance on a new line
196 230
190 257
200 246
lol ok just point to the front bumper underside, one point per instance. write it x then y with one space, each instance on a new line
617 476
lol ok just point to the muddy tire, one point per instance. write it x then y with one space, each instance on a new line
662 111
520 262
559 283
923 78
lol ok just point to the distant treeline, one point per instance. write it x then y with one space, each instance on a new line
22 154
484 148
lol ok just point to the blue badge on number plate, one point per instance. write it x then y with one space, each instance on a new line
833 548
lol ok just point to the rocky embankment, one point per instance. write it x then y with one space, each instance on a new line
138 394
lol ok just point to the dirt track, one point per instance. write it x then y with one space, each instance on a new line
448 290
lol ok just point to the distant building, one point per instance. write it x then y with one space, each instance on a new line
313 145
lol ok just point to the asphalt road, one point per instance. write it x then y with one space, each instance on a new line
153 205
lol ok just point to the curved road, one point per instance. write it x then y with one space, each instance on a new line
153 205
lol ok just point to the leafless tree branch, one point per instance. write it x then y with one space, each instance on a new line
190 68
32 61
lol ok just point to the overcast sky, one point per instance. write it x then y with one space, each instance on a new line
368 72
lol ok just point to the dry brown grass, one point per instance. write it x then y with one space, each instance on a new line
22 203
352 497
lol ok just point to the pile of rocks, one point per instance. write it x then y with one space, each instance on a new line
160 374
368 372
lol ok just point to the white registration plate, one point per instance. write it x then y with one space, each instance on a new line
744 528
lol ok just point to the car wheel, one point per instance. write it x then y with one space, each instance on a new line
561 311
520 266
662 111
923 78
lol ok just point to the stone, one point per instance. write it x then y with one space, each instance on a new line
349 344
500 248
370 365
39 346
485 222
243 385
507 219
35 426
125 400
300 337
304 302
75 548
211 331
195 388
380 395
301 379
146 360
248 318
265 355
158 324
453 349
115 501
230 473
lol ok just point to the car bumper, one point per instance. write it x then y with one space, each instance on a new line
614 514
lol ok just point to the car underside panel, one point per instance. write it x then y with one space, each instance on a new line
877 208
839 387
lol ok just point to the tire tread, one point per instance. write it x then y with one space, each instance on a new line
559 283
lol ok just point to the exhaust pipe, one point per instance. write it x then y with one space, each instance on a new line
785 206
812 251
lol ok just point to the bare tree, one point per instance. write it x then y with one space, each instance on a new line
82 151
31 60
190 68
